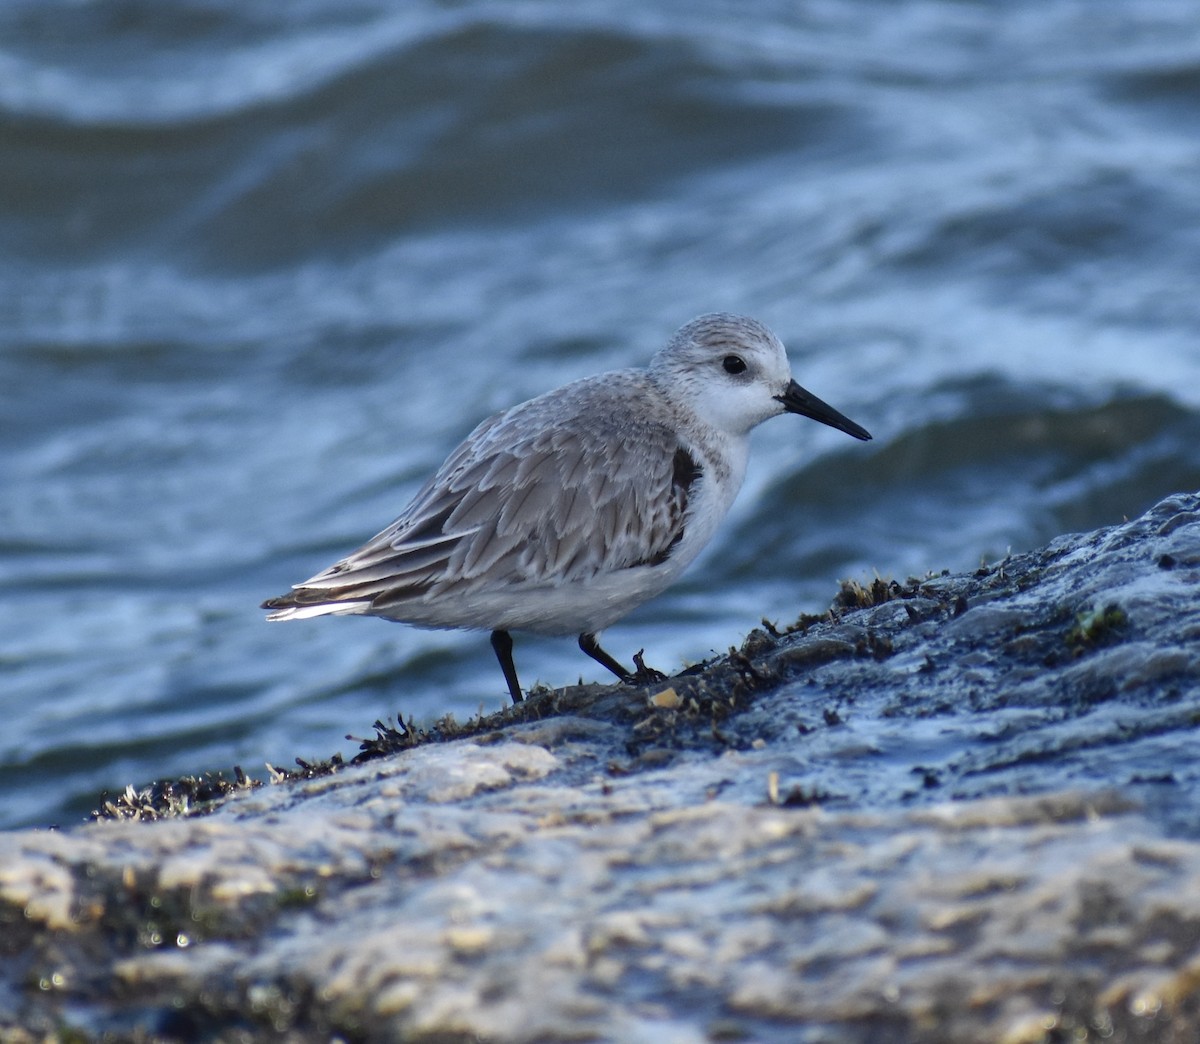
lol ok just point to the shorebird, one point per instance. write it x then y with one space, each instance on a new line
562 514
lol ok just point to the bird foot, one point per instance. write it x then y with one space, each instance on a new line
644 675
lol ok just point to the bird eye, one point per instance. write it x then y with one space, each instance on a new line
734 364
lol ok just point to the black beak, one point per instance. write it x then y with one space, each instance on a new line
796 400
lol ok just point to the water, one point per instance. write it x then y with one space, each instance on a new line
263 265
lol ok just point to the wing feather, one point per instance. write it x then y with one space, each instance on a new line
552 492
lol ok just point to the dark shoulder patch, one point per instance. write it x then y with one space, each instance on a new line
685 470
685 474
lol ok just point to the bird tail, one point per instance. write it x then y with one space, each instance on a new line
296 606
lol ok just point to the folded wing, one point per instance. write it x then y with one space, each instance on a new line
525 500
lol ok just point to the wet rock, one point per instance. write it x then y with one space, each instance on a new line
954 808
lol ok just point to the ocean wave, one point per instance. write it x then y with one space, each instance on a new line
388 131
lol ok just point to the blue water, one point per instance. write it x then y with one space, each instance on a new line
262 265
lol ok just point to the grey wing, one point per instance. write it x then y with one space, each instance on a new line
513 506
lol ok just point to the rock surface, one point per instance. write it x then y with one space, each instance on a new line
966 810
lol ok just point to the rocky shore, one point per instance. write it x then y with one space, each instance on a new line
953 808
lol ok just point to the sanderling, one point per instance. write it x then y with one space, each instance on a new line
562 514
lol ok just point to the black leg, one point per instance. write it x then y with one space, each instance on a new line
588 643
502 643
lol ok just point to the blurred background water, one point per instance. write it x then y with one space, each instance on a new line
262 265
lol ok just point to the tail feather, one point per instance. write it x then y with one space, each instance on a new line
292 607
